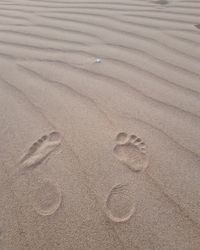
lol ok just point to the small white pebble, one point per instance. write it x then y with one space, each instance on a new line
98 60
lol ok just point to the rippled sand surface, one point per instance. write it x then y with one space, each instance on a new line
99 124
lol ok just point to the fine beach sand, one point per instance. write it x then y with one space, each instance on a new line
99 125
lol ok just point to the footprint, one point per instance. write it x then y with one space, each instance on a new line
45 198
32 190
41 149
131 151
120 203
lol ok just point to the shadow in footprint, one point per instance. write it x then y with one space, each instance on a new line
131 151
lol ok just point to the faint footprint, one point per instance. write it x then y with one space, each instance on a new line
31 190
45 198
131 151
120 203
41 149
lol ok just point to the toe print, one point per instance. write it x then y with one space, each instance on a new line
132 153
122 138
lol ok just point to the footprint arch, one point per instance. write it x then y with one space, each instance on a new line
131 151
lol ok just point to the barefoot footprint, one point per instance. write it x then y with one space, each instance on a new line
43 195
46 198
39 151
120 203
131 151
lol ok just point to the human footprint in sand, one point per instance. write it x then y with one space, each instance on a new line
43 194
41 149
131 151
121 200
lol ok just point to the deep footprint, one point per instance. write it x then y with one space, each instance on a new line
120 203
41 149
46 198
131 151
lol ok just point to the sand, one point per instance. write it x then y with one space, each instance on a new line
100 124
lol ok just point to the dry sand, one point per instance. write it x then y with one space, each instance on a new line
100 124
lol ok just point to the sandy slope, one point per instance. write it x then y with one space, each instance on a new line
74 172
